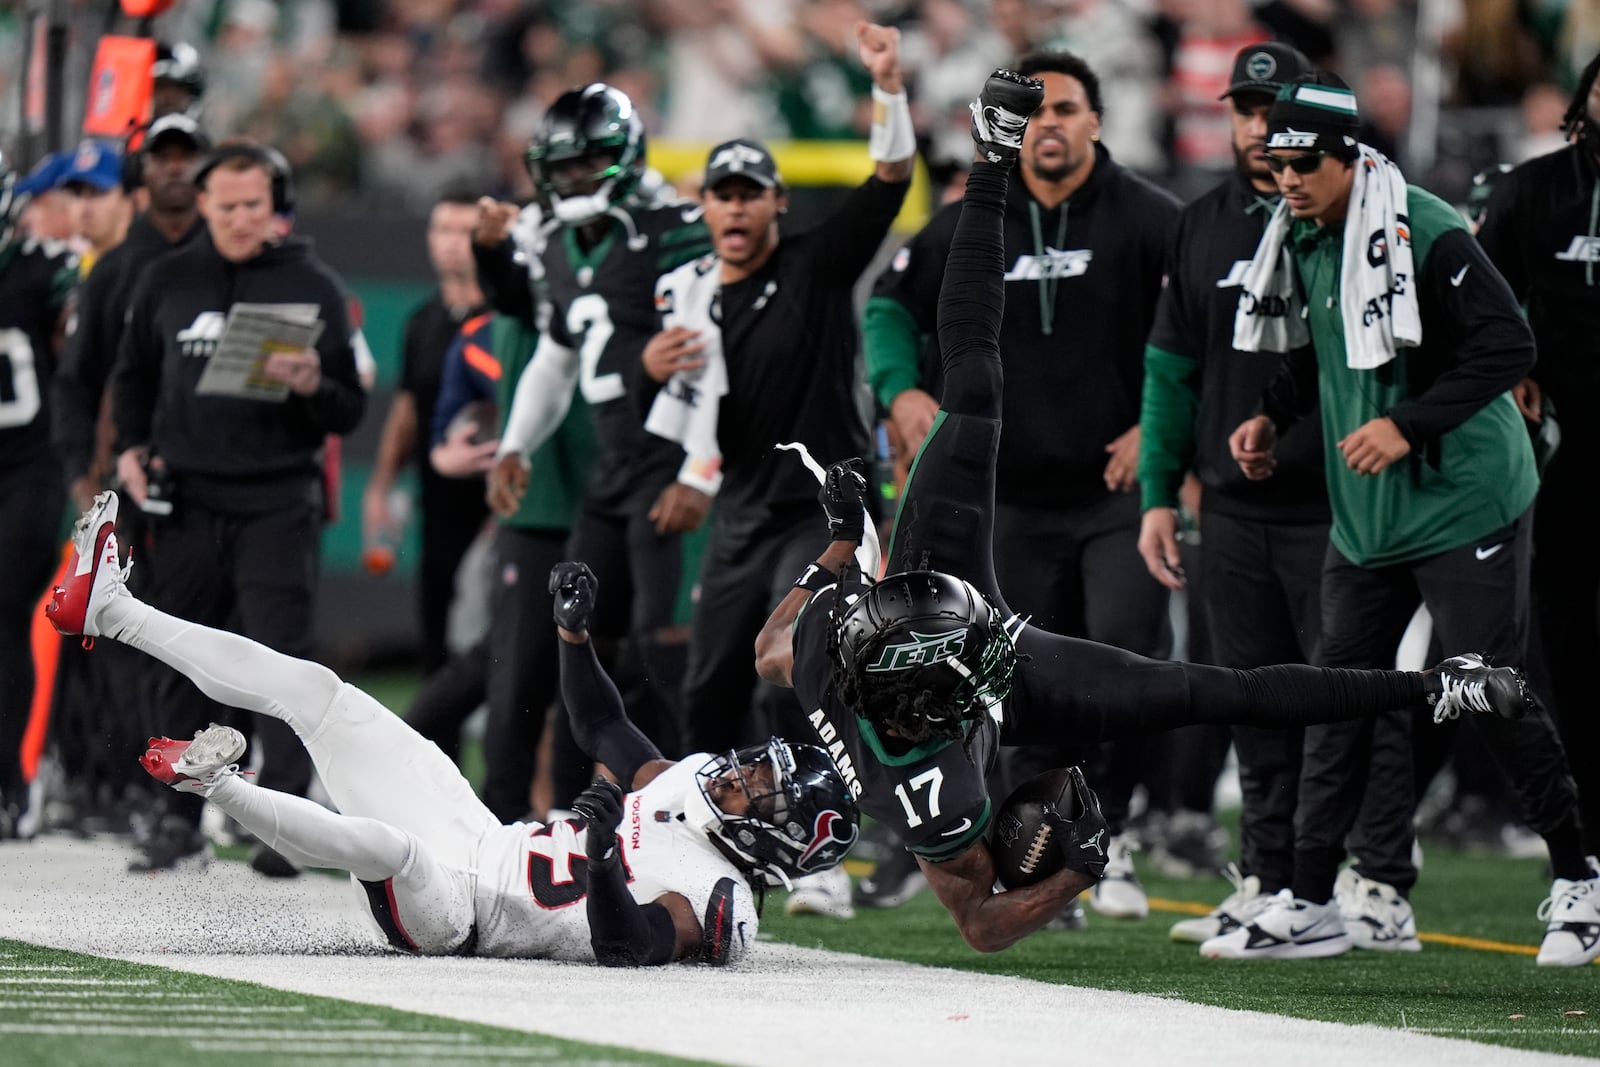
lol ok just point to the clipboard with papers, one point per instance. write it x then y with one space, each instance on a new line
252 333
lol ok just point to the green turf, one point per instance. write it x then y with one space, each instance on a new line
66 1009
1469 993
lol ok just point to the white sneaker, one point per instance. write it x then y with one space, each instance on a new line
1572 911
1288 928
1236 910
1119 895
824 893
195 766
1375 914
95 575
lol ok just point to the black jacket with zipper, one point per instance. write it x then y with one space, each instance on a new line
231 455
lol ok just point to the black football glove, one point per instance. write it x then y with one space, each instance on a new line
601 808
843 492
574 587
1084 833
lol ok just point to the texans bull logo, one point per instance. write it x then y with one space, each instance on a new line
832 836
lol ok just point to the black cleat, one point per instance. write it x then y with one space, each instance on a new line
1000 114
1467 683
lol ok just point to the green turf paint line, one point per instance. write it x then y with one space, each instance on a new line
1470 982
78 1009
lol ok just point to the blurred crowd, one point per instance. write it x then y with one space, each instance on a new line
390 102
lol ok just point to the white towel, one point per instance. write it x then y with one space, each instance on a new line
869 553
1378 301
686 408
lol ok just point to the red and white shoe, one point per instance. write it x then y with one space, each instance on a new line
95 574
195 766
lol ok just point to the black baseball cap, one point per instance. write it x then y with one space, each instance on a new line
742 158
1266 68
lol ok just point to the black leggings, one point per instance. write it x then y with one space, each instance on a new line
1070 690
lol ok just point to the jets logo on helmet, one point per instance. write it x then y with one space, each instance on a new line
922 648
922 653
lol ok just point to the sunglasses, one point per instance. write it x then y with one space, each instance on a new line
1306 164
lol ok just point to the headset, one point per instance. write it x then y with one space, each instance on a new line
265 156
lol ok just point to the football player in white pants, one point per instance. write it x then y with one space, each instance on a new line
438 873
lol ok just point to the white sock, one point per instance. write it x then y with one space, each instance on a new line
227 667
308 834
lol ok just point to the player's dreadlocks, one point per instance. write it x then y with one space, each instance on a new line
1577 122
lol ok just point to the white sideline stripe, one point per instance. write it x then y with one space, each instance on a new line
408 1050
139 1018
235 1035
39 967
52 1008
231 924
110 994
78 981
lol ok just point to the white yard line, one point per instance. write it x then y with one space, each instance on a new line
787 1007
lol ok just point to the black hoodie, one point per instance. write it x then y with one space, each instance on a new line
1081 286
1542 230
240 456
100 309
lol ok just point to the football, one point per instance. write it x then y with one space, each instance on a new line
1027 844
484 415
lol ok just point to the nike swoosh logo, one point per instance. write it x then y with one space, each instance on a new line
966 824
1455 279
1303 931
1485 553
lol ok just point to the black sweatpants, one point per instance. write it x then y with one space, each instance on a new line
1078 571
1566 583
1478 595
32 498
446 536
256 575
750 564
525 678
640 573
1069 690
1265 606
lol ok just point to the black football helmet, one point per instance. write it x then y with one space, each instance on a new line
177 67
923 653
596 123
805 823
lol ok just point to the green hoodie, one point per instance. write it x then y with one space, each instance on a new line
1456 486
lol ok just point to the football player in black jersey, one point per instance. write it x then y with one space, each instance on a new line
32 490
913 681
612 239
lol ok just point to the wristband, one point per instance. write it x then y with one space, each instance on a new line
816 578
891 137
